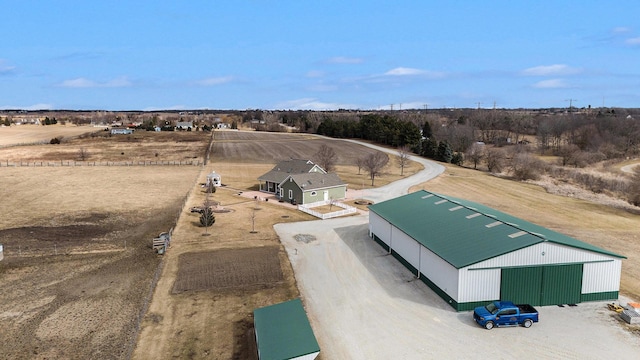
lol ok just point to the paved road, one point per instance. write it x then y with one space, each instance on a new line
401 187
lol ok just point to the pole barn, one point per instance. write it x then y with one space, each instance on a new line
470 254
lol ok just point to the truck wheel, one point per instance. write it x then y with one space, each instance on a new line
527 323
489 325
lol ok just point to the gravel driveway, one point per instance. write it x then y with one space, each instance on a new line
363 304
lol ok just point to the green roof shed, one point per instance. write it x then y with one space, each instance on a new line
283 332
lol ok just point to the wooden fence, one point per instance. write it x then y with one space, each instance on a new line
71 163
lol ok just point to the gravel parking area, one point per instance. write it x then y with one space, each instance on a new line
363 304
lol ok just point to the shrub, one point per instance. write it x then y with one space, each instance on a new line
54 141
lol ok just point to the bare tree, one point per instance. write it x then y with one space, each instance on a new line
360 164
83 154
495 159
475 154
524 166
374 163
326 157
403 158
634 188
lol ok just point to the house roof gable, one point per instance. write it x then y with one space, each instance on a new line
315 181
288 167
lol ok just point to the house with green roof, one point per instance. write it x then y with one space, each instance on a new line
302 182
283 332
471 254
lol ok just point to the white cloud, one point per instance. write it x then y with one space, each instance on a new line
4 68
344 60
550 70
312 104
633 41
30 107
621 30
551 84
314 74
404 71
86 83
215 81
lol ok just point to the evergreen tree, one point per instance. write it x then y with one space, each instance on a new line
207 218
444 153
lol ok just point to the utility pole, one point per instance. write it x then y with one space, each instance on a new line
479 103
391 107
571 103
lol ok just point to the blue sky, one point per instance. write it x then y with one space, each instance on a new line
317 55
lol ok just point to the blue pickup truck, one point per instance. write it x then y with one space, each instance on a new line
505 313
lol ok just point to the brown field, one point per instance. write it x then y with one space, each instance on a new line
77 265
101 146
81 272
228 269
30 134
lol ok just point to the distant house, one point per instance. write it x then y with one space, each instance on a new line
283 332
221 126
184 125
121 131
302 182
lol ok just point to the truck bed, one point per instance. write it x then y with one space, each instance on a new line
526 309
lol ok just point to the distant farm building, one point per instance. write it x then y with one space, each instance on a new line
302 182
121 131
283 332
470 254
184 125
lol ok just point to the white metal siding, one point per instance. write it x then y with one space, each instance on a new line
545 253
479 285
308 356
439 272
406 246
601 277
380 227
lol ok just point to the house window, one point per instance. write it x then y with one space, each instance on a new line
290 194
314 193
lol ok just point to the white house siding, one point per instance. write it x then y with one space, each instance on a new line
405 246
308 356
440 272
601 277
479 285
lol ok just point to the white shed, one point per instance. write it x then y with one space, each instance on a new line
470 254
214 178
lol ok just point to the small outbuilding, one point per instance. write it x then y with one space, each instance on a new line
470 254
283 332
214 179
1 252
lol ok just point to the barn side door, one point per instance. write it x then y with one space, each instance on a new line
521 285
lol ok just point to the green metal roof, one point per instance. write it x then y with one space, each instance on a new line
462 232
283 331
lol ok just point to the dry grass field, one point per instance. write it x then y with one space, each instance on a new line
30 134
78 267
79 270
212 319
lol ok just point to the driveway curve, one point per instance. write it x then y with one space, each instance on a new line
363 304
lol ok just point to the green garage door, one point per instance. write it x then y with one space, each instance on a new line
542 285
